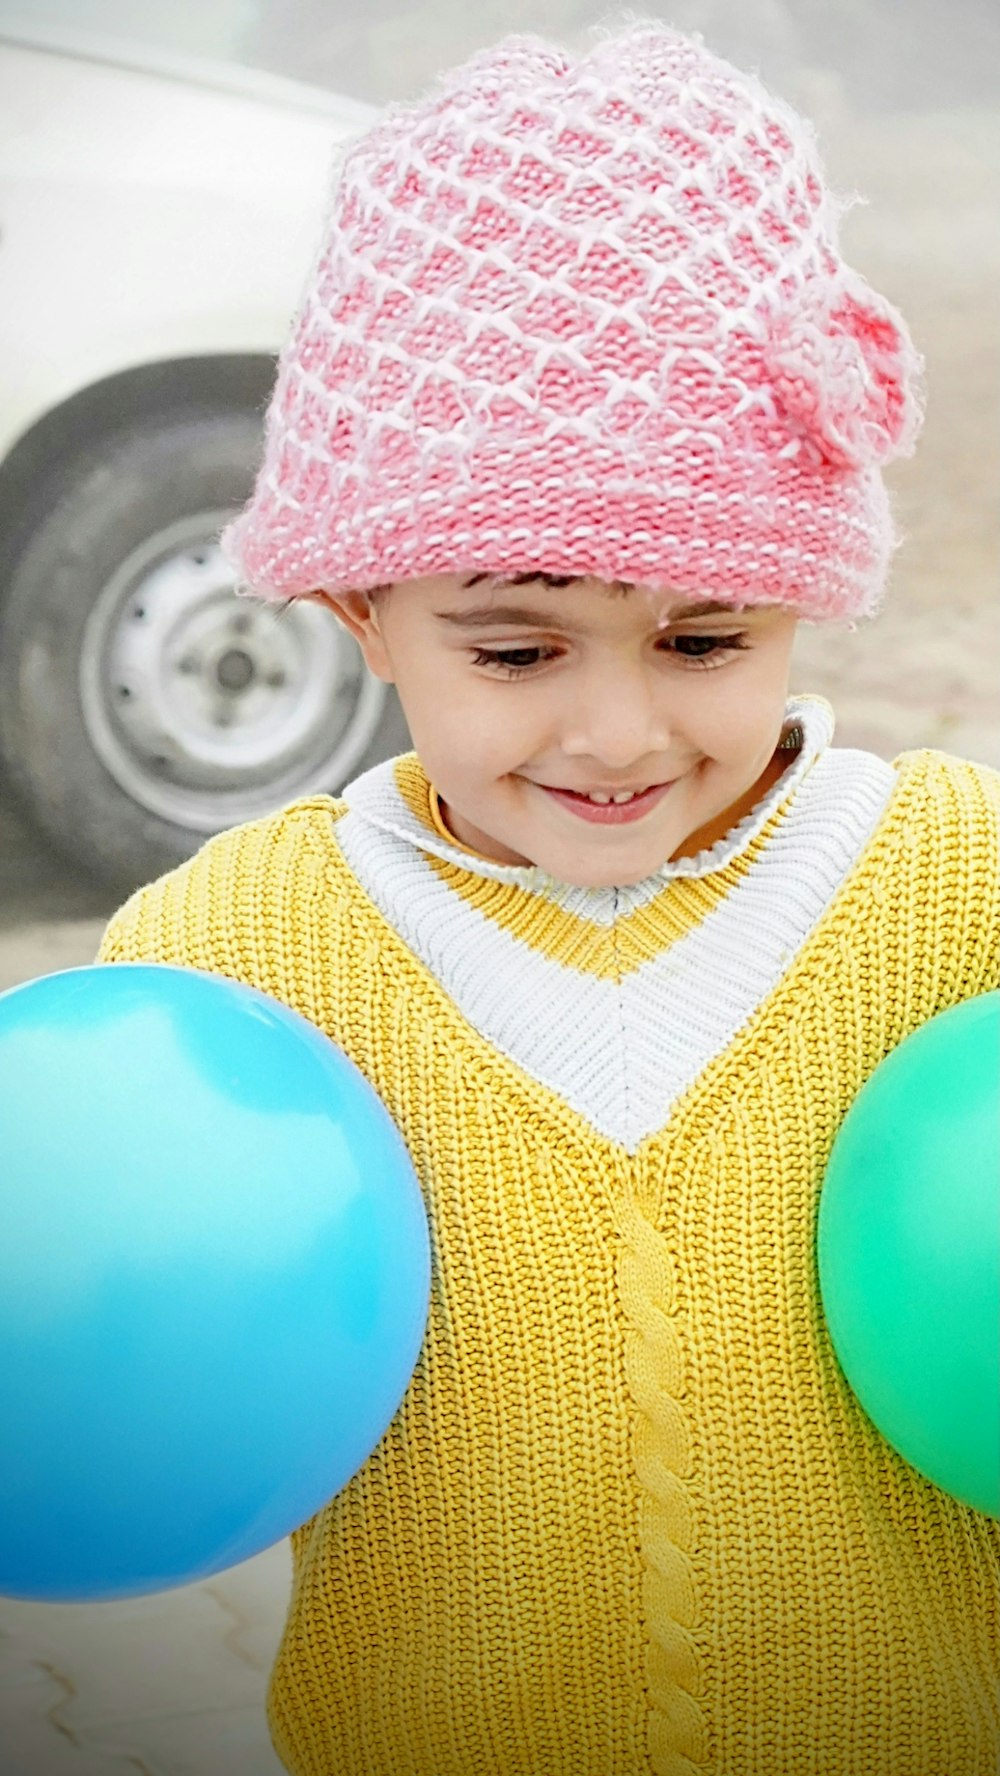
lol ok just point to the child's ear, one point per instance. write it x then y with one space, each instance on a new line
356 611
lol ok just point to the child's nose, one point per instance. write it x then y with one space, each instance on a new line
618 721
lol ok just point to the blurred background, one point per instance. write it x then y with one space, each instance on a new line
162 176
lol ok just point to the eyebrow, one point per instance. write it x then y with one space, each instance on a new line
484 616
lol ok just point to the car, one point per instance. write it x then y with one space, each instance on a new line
157 222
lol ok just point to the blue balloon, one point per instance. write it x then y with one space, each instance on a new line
214 1278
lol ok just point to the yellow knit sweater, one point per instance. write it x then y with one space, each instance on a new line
629 1519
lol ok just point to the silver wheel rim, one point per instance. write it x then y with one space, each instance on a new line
208 709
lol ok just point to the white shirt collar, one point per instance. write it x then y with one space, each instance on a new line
376 796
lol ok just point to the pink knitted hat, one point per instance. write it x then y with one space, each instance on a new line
587 316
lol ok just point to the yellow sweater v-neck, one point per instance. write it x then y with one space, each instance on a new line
629 1519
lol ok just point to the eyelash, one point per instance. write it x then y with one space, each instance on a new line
505 659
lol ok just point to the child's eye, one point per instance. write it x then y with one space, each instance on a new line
513 661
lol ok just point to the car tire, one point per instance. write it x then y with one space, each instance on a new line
117 761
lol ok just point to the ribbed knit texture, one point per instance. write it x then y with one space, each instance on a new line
587 315
629 1519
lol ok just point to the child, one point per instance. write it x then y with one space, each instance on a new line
579 352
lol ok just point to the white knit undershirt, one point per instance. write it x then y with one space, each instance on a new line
622 1050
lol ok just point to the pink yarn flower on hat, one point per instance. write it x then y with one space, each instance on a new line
845 370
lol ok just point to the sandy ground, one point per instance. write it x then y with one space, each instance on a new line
174 1685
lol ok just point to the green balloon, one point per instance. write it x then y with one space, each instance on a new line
909 1250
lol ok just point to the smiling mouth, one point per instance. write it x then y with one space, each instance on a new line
609 812
603 796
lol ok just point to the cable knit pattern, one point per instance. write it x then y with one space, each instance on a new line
588 316
663 1461
629 1519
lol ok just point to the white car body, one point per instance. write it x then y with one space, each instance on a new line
158 220
150 209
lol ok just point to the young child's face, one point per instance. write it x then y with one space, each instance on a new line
593 693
